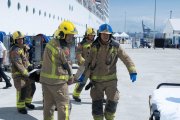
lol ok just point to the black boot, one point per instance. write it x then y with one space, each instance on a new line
30 106
22 110
7 85
77 99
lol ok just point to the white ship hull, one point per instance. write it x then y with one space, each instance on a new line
12 19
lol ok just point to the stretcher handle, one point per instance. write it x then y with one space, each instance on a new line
167 84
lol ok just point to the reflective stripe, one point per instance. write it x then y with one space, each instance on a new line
53 75
132 69
67 112
109 115
61 77
19 104
107 77
112 50
94 49
75 93
98 117
29 64
20 51
25 72
54 52
81 60
28 100
86 45
17 73
52 48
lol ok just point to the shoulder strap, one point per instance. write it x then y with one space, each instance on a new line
83 41
114 44
96 43
13 47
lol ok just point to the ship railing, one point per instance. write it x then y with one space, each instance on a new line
93 8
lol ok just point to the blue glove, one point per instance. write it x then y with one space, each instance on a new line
133 76
81 79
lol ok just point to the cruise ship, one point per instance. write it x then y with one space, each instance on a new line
44 16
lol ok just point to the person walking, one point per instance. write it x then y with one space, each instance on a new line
102 62
25 87
82 53
3 53
56 72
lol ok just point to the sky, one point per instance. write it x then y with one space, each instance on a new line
127 15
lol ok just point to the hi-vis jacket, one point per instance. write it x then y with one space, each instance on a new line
102 61
56 68
19 60
83 50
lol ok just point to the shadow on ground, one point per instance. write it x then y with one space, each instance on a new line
10 113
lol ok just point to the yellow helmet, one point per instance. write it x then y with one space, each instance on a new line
65 28
17 35
90 31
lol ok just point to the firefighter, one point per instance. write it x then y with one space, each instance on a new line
101 62
25 87
56 72
81 54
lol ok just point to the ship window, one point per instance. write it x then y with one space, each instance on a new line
53 16
44 14
61 19
34 10
49 15
9 3
27 9
39 12
69 7
18 6
58 17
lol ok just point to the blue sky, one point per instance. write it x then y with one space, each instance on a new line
138 10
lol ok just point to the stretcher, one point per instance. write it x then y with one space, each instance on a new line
164 103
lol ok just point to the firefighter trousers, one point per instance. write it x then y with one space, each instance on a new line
56 95
25 95
97 95
79 87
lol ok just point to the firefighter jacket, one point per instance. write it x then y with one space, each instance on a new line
83 50
103 58
56 68
19 60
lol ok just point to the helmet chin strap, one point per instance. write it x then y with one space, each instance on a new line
105 43
89 40
18 43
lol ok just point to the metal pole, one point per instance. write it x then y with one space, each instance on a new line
154 22
170 14
155 15
125 22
